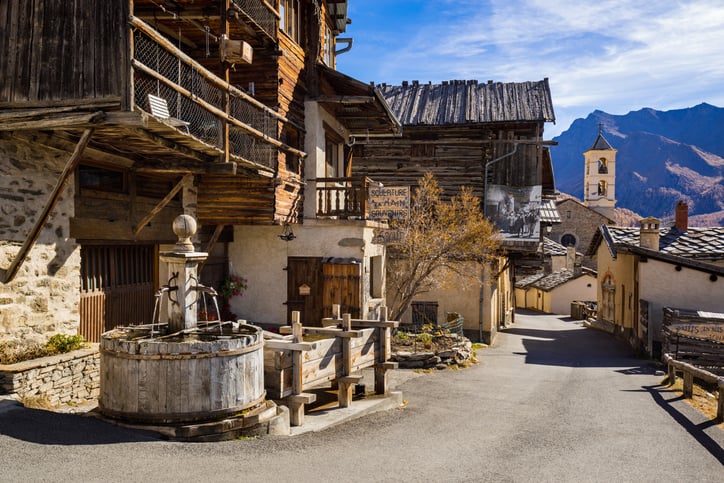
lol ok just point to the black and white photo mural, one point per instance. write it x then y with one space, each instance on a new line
515 211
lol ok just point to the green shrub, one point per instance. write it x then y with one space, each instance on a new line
424 338
57 344
61 343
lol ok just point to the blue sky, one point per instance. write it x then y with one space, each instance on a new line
613 55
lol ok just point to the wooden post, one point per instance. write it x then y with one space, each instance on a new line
336 311
688 384
347 381
720 402
672 373
298 398
385 351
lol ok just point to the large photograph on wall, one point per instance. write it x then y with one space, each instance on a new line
515 211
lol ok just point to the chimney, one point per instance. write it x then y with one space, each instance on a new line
570 257
649 233
572 262
682 216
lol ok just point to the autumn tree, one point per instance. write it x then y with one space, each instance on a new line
437 242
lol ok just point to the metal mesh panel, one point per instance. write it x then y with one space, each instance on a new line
203 124
259 13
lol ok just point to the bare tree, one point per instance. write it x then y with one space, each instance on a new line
438 241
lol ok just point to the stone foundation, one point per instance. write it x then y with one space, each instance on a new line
72 378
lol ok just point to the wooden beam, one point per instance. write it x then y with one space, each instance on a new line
64 121
9 274
61 141
209 246
346 99
161 204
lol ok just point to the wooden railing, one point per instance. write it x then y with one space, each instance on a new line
690 373
342 197
197 96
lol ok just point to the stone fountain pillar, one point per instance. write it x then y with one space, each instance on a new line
183 262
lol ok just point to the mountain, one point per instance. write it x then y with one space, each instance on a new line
663 157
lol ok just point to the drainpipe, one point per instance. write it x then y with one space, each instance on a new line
485 214
344 40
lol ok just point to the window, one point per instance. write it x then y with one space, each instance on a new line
102 179
376 276
290 19
602 166
568 240
602 188
332 154
328 47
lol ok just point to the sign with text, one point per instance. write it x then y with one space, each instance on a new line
389 202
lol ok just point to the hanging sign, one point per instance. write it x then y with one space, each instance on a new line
389 202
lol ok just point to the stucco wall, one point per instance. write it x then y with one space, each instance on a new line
581 288
663 286
43 298
259 255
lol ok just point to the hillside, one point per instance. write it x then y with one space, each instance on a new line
663 156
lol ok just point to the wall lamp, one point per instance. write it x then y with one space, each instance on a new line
287 233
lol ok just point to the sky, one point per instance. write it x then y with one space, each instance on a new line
616 56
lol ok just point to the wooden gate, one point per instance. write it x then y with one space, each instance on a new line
342 286
117 287
313 286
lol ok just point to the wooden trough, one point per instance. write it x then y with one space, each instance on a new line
334 353
195 378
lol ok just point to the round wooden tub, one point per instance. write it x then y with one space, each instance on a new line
187 378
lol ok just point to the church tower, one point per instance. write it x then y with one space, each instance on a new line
599 190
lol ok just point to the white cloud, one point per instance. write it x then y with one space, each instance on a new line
613 55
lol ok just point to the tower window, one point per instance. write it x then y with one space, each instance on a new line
602 166
602 188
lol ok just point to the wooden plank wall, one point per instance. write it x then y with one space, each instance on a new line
70 49
233 200
434 149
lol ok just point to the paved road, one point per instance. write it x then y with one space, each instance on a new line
552 401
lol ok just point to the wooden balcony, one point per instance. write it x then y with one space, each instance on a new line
342 198
218 114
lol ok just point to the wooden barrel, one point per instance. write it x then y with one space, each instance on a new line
186 379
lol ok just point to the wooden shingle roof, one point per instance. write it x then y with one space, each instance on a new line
464 102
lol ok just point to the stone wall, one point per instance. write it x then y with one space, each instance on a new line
67 378
43 298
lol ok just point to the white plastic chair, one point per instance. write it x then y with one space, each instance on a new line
159 110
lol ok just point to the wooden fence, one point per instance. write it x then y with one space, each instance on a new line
690 373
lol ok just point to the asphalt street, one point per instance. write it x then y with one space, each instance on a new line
552 401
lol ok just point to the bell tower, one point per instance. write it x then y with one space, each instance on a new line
599 190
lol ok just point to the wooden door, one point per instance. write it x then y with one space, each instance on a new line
304 289
341 285
117 287
313 286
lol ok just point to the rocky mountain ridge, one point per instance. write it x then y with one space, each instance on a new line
662 157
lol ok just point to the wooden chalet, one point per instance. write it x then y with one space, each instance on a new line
160 107
488 137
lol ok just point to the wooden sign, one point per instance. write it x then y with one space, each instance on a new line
709 331
305 289
389 202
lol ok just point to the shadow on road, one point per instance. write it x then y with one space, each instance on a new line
576 347
696 430
47 427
